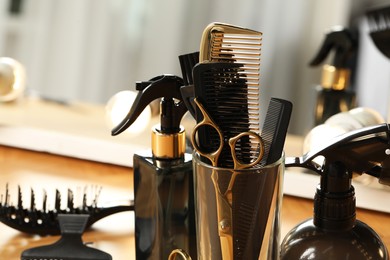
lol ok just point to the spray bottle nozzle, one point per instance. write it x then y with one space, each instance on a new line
163 86
342 41
366 150
141 85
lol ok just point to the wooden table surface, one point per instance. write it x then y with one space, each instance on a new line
115 234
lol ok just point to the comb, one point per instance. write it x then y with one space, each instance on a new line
222 88
44 221
379 26
70 246
253 233
228 43
231 99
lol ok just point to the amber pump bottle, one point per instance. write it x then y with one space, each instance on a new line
163 180
334 94
334 232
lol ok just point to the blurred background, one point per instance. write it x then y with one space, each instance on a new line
91 49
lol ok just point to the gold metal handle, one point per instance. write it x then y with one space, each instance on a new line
207 121
179 252
238 165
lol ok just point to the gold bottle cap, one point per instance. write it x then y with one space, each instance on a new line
335 78
168 145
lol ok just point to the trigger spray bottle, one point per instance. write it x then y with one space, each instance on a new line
334 232
334 93
163 180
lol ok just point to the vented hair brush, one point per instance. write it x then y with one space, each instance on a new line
44 221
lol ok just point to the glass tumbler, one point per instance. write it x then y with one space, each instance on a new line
238 211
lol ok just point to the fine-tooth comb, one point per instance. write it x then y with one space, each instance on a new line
44 221
274 133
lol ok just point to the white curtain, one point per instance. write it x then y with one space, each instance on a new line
91 49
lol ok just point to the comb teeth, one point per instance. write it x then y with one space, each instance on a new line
275 128
245 50
232 104
231 95
228 43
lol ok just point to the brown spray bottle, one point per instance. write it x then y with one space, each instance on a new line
334 232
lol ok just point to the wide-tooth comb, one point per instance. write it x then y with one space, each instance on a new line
228 43
45 221
223 90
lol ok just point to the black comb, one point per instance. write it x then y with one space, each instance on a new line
232 101
262 190
44 221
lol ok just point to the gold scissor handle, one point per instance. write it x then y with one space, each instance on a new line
180 252
238 165
212 156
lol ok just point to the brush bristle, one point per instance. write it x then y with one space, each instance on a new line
43 220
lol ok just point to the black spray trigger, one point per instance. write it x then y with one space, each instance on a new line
163 86
342 41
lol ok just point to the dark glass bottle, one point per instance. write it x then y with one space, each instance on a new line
334 95
333 232
163 180
164 206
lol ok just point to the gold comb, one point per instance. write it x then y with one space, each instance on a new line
229 43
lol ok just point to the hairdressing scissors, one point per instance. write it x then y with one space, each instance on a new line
224 199
213 156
